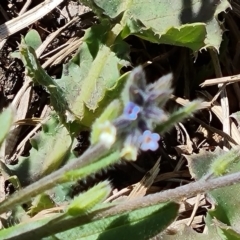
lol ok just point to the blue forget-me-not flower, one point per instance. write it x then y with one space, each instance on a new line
143 109
131 111
149 141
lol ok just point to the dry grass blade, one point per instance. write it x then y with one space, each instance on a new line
141 188
189 203
3 12
38 124
72 45
226 80
25 7
223 94
215 130
174 174
217 110
196 205
22 21
51 37
118 194
28 121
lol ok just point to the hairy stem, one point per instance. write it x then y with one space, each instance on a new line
60 223
176 194
51 180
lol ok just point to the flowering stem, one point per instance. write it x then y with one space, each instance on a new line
89 156
189 190
176 194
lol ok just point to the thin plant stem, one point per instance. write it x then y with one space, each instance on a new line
92 154
176 194
61 223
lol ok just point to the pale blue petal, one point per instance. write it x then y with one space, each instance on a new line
131 111
149 141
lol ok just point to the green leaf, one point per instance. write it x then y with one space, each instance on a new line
101 164
6 120
92 78
178 116
61 193
187 35
49 148
227 209
138 224
223 163
191 24
33 39
39 76
223 230
86 201
41 202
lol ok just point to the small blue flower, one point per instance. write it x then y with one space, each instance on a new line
149 141
131 111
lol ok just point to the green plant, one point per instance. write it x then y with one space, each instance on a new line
126 115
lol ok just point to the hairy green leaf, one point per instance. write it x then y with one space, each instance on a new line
49 148
39 76
86 201
223 230
178 116
138 224
92 78
101 164
32 39
191 24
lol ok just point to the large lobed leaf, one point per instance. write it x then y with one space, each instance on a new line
88 83
92 78
39 76
191 24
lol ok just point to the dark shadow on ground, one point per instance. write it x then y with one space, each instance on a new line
205 13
